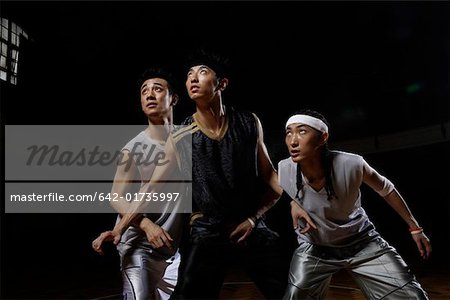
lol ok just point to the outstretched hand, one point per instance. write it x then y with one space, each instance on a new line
423 244
106 236
298 213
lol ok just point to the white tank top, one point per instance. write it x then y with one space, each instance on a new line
340 221
134 239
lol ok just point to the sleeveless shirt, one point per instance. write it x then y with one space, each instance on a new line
340 221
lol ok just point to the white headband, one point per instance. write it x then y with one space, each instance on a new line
308 120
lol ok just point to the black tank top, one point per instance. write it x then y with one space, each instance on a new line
224 172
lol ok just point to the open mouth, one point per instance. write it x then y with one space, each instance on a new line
295 153
194 88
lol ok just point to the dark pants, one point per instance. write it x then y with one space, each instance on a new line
209 252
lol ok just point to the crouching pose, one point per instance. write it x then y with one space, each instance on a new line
327 186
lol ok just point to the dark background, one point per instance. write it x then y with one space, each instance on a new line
372 68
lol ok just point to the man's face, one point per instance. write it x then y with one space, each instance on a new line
155 97
201 82
302 141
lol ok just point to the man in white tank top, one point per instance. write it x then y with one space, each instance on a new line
148 250
326 184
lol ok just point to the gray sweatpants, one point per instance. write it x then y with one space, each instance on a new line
376 267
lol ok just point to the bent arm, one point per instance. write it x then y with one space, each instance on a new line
275 192
268 173
271 196
386 189
133 213
126 174
123 179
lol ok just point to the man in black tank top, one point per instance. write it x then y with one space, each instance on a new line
229 163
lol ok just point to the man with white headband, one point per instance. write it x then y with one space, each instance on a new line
327 185
308 120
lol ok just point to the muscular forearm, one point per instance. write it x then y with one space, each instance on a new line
396 201
127 220
269 199
131 213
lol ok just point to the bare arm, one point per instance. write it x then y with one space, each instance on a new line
126 174
270 176
161 173
383 186
267 172
272 195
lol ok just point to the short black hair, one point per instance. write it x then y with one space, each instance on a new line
159 72
218 62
